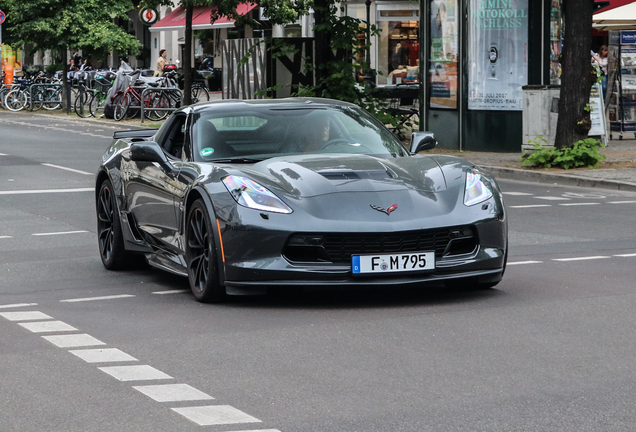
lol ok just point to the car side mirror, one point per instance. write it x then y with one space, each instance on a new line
148 151
421 141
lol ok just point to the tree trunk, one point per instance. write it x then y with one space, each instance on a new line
66 88
577 75
322 44
187 57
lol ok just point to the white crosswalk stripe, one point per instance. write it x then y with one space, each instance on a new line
25 316
47 326
102 355
70 341
134 373
215 415
172 392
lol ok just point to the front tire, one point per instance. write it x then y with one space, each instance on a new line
203 270
111 241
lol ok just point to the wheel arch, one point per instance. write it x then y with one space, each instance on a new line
198 192
101 176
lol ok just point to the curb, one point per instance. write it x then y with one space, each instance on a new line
562 179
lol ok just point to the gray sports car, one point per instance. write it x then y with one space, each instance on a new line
240 196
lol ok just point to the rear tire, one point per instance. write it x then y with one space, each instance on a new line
16 100
199 93
119 110
83 104
201 258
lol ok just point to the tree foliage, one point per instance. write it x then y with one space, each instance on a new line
335 35
86 25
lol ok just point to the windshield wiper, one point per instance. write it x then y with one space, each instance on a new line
237 160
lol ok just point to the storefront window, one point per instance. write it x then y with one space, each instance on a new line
556 44
398 44
497 54
444 38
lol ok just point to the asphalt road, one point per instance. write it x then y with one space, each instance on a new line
551 348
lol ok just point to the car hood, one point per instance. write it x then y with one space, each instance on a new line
308 176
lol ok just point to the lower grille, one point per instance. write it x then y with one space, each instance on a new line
339 247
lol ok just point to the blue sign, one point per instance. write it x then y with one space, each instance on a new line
628 37
2 17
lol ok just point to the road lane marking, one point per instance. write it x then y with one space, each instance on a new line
259 430
59 233
580 204
3 154
552 198
621 202
67 169
70 341
215 415
531 206
134 373
25 316
75 300
173 393
47 326
626 255
17 305
581 258
517 193
5 237
170 292
42 191
102 355
525 262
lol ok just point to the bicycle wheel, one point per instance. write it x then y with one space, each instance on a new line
97 104
37 98
16 100
200 93
121 103
53 99
83 103
158 100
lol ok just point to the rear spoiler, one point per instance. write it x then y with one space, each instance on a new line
139 133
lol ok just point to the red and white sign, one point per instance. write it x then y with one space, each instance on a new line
148 16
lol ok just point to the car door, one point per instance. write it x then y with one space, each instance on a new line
151 188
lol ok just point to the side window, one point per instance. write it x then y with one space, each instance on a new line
174 137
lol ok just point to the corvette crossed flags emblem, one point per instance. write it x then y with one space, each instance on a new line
383 210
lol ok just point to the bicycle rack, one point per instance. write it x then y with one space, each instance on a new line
56 101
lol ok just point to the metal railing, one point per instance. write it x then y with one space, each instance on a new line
50 90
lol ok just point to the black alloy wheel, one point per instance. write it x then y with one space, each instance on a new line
110 238
203 272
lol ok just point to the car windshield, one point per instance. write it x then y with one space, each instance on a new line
257 133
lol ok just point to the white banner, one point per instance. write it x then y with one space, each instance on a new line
497 54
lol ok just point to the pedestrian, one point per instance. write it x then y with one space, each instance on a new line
601 58
72 69
161 62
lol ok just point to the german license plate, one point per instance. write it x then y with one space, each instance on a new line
404 262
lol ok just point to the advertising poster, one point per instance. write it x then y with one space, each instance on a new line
12 57
497 54
443 73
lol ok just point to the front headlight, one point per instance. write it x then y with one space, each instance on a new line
252 195
476 191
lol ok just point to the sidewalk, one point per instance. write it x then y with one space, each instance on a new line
617 172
